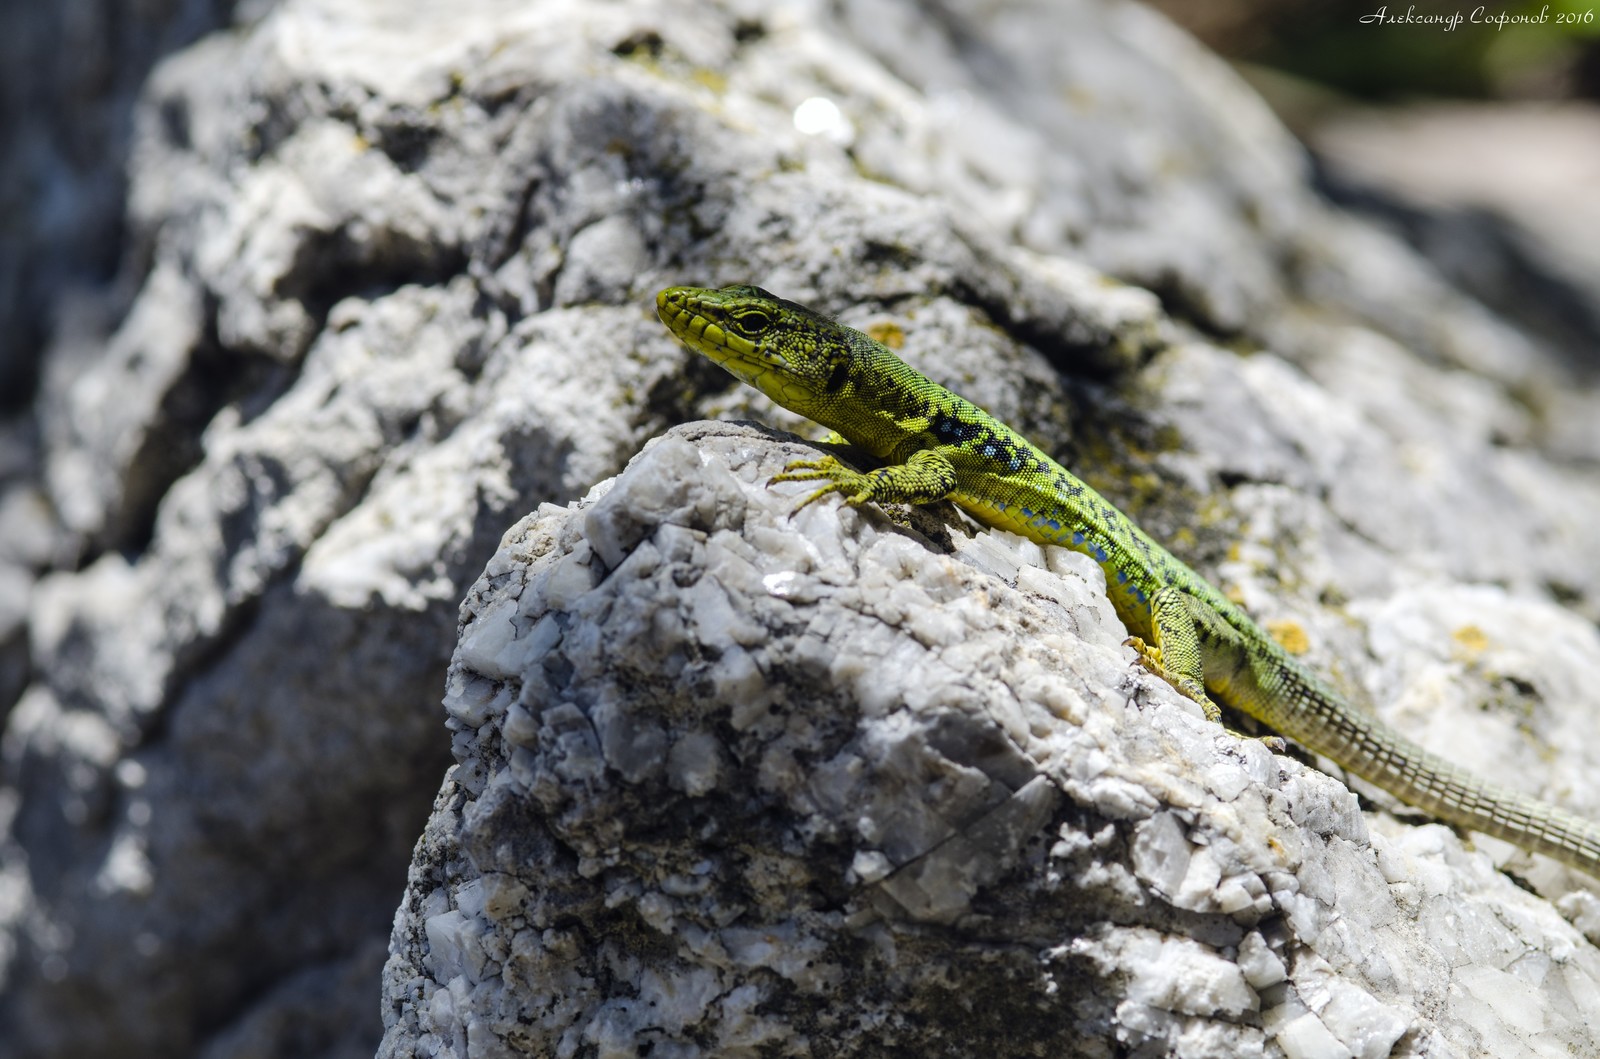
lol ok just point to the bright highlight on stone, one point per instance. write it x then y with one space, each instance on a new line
821 116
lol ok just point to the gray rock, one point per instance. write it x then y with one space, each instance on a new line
1486 191
72 75
730 780
397 293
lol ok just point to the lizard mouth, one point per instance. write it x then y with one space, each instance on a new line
687 316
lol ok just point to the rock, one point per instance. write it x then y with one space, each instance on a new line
729 780
73 74
1485 190
395 292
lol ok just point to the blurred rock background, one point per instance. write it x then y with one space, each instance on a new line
1471 142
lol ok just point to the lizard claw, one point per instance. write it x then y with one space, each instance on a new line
1189 687
840 479
806 470
1147 656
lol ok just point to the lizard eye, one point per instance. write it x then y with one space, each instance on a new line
751 323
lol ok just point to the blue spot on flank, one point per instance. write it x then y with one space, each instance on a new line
1122 577
1077 537
1099 554
1138 593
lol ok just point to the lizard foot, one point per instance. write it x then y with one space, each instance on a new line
1150 658
1147 656
840 479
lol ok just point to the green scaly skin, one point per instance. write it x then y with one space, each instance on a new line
937 445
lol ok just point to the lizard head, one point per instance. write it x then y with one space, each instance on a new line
795 356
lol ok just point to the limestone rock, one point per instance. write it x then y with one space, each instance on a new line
730 781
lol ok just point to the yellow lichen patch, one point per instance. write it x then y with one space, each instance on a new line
1081 98
1471 639
1291 636
888 332
711 79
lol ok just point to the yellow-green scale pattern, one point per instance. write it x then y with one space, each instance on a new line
936 445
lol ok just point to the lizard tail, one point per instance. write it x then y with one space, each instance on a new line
1378 754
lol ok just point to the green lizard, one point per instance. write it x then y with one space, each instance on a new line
937 445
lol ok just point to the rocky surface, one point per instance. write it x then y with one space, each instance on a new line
736 783
397 293
70 77
71 74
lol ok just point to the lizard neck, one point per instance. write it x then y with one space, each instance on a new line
883 405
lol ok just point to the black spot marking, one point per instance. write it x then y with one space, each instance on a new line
1068 486
951 430
838 376
646 43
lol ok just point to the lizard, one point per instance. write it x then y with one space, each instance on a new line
935 446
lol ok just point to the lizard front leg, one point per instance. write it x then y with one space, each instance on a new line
1175 657
925 477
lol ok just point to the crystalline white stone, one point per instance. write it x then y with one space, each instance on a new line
1307 1038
